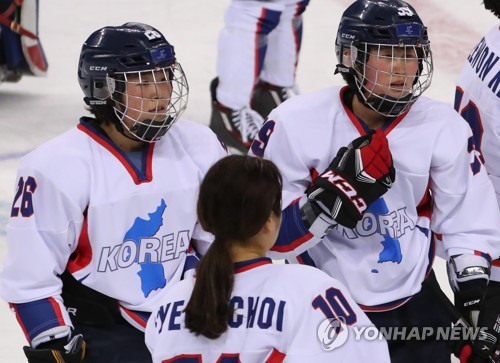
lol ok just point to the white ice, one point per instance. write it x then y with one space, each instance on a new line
37 109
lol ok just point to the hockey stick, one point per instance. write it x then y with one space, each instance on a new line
457 319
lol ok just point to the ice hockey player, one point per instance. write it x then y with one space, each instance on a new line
104 215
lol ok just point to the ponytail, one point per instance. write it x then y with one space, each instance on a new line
208 311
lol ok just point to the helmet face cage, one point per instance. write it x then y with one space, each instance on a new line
149 102
390 78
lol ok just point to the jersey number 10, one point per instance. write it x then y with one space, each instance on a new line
334 305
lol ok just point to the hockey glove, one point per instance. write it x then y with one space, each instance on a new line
359 174
479 304
57 351
485 348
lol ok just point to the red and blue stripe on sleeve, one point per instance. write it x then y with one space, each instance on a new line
38 316
293 232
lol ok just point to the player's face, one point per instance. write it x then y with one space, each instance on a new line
147 96
391 70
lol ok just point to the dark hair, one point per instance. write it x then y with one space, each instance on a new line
236 199
493 6
104 114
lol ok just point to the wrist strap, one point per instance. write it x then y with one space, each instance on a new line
318 223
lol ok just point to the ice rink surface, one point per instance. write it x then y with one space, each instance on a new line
37 109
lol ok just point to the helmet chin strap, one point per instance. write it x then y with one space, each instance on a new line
119 127
149 132
141 132
388 105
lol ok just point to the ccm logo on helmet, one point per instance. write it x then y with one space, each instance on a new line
347 36
346 188
98 68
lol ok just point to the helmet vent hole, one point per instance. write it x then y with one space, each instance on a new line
134 61
380 33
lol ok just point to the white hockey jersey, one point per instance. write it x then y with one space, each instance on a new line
477 99
278 315
82 205
386 257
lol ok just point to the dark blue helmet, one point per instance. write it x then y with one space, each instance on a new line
114 55
366 25
391 22
129 47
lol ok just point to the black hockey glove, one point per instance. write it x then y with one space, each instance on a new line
485 348
57 351
479 303
359 174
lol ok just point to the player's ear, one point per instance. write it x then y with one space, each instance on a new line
269 223
346 58
272 223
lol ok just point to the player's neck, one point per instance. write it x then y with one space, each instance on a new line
123 142
244 252
371 118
